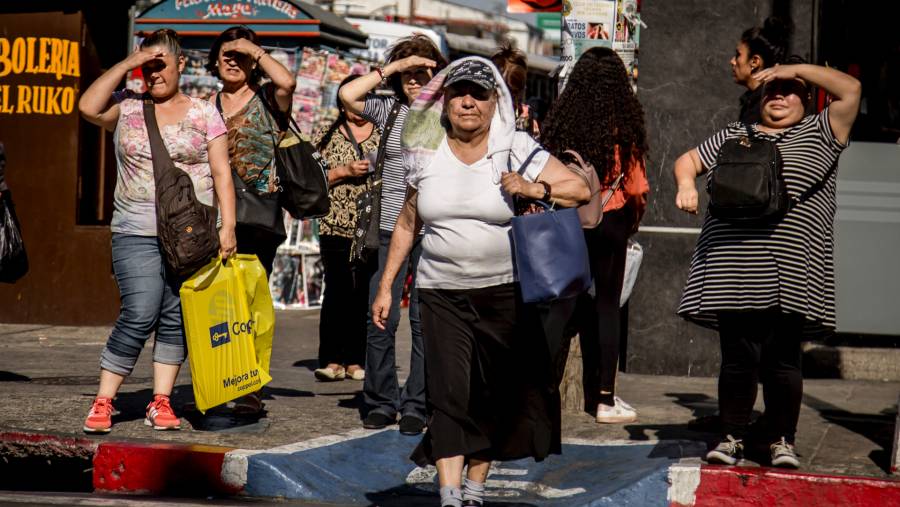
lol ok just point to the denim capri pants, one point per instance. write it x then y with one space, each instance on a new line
150 302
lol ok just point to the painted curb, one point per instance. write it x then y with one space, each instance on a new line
157 469
895 454
694 485
199 470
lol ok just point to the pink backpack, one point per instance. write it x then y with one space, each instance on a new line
591 213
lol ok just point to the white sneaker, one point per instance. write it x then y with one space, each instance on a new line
619 413
728 452
784 455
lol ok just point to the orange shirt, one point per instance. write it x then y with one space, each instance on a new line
633 185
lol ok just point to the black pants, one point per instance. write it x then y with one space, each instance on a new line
599 318
491 391
760 346
342 319
255 241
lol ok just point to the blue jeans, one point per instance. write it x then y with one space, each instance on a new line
150 301
381 391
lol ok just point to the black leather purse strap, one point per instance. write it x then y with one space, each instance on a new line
352 139
527 162
382 146
162 162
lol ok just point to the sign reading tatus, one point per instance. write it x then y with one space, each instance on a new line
50 58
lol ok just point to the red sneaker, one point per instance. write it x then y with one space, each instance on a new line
99 419
160 414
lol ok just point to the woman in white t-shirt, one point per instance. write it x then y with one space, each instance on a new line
487 373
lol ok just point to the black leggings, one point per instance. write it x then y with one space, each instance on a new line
342 319
599 318
760 346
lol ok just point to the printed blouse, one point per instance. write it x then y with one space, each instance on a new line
134 200
252 132
341 219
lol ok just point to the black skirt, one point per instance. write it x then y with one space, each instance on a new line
490 379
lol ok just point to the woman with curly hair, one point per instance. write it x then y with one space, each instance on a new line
599 117
411 63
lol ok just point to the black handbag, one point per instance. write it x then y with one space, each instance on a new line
368 204
301 172
747 186
186 227
262 211
13 260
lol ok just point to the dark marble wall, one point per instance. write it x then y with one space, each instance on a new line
688 94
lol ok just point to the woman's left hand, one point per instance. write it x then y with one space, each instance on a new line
227 242
514 184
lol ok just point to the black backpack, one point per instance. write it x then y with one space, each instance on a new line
747 185
186 227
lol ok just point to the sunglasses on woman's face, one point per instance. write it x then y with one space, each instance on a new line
785 87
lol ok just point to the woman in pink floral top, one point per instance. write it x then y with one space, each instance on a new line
193 132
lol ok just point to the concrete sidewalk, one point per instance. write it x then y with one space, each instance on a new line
48 377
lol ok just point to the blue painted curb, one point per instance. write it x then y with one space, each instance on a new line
375 469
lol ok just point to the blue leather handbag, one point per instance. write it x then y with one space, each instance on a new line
550 253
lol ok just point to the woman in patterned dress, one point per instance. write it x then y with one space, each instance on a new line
346 145
254 114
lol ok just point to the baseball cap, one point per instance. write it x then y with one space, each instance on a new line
475 71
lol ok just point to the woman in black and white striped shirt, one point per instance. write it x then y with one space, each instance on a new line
411 63
766 287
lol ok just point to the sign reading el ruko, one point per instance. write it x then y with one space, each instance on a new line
526 6
50 58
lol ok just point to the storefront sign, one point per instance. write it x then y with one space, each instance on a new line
231 9
44 56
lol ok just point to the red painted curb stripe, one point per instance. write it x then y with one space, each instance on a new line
193 470
733 486
21 437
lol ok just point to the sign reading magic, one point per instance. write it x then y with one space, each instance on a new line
207 18
225 9
46 56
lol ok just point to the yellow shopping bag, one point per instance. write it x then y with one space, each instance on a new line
261 306
221 331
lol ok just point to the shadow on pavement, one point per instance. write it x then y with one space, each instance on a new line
8 376
879 428
309 364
